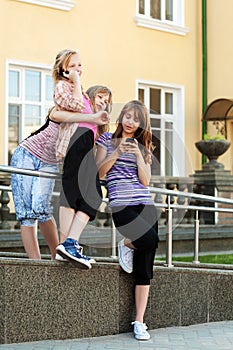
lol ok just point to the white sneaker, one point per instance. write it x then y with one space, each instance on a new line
140 331
125 256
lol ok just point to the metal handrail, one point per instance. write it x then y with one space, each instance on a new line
176 193
167 206
15 170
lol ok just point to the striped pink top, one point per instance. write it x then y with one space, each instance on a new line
42 143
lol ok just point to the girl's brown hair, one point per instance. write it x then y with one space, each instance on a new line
92 92
143 134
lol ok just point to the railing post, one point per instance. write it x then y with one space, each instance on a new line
196 239
113 231
4 200
169 235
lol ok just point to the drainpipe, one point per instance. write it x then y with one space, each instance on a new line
204 71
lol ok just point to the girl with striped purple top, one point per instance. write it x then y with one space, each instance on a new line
125 158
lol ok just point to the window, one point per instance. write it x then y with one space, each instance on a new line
65 5
165 104
30 95
165 15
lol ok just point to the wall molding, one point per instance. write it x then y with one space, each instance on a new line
65 5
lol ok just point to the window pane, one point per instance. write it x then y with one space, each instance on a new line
169 10
155 123
13 83
168 153
155 10
168 103
32 85
13 129
32 115
141 95
168 126
155 167
47 110
141 7
155 105
49 88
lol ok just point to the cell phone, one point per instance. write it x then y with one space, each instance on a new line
130 139
64 73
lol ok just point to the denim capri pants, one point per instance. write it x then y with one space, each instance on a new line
31 194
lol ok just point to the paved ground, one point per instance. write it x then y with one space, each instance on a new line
208 336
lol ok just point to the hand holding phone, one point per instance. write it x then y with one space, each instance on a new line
130 139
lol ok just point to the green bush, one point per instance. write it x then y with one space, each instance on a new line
216 137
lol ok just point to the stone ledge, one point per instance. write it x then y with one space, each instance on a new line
46 299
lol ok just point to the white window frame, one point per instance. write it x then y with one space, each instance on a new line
176 26
178 121
65 5
19 65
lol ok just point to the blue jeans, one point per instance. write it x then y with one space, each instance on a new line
31 195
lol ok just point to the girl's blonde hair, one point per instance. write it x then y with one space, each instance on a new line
61 63
143 134
92 92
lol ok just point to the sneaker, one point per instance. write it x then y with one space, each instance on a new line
59 257
80 249
125 256
70 250
140 331
91 260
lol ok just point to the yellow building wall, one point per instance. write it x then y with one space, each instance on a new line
115 52
220 61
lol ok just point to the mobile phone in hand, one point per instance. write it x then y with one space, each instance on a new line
130 139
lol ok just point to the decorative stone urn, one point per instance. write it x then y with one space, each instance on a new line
212 149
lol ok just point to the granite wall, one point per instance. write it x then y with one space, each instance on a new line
53 300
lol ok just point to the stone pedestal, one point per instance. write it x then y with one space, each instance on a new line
212 182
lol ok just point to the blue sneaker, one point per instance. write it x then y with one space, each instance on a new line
91 260
70 250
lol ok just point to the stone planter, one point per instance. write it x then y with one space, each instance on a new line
212 149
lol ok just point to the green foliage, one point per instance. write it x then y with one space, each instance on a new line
216 137
205 259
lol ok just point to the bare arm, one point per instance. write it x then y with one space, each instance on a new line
75 78
100 118
144 170
105 164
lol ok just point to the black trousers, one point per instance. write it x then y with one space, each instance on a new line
139 223
81 188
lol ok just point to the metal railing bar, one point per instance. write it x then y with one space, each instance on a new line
174 193
196 238
15 170
169 235
203 208
190 195
157 205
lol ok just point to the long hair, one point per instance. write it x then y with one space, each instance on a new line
143 134
61 63
92 92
